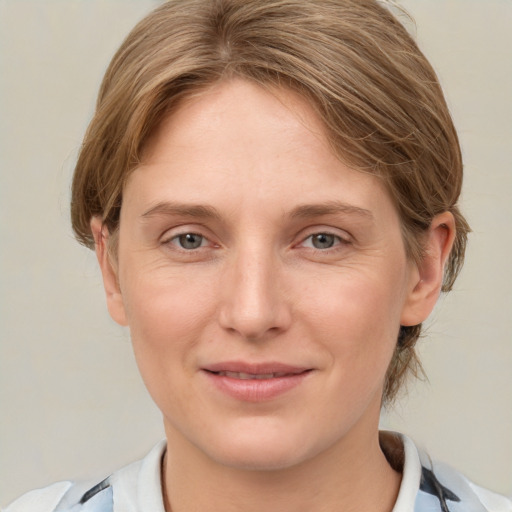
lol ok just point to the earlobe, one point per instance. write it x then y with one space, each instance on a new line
427 278
109 272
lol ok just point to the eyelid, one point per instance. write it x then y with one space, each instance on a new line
341 235
337 243
175 232
177 240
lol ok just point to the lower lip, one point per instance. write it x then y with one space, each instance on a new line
256 390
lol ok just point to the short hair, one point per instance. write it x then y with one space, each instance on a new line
352 60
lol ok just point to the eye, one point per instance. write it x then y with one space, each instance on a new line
322 241
189 241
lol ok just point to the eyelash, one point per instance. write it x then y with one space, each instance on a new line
179 238
336 241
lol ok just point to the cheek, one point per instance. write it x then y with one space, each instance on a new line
357 320
161 301
168 315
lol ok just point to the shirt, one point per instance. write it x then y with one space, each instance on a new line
426 486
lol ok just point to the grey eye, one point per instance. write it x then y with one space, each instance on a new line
323 240
190 241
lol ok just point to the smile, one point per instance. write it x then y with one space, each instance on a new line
252 376
254 383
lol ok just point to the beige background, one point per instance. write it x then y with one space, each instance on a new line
72 403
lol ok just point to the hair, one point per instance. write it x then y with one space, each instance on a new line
352 60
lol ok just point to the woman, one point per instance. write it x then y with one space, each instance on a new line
271 189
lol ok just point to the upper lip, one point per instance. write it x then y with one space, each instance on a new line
255 368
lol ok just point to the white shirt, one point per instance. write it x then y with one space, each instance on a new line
426 487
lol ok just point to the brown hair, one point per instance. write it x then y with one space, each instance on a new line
351 59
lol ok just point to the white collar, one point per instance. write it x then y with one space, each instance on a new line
138 486
411 476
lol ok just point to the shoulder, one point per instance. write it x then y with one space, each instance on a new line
492 501
449 490
40 500
66 497
132 488
431 486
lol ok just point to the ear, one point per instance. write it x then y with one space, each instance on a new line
109 272
427 277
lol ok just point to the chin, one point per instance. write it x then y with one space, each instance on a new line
262 449
260 458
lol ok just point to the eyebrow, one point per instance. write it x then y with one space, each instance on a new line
182 210
302 211
330 208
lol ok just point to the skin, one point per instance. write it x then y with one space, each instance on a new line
300 260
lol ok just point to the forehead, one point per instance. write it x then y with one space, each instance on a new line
239 143
241 114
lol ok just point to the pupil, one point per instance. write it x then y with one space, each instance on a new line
323 241
190 241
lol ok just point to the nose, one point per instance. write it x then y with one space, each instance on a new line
254 304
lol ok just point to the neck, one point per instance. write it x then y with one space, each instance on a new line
352 476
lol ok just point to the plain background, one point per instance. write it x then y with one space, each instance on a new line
72 403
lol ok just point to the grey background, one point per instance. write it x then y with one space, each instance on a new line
72 403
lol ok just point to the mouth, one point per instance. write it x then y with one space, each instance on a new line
255 383
253 376
247 371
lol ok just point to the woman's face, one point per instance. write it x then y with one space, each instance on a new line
263 281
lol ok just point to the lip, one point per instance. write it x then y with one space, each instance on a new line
255 382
